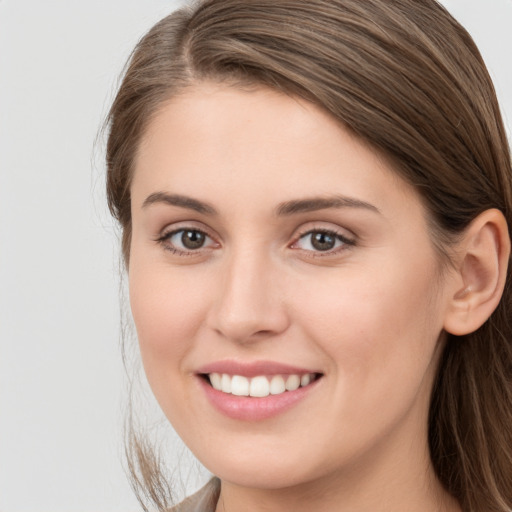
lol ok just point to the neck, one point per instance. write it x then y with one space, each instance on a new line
348 495
393 479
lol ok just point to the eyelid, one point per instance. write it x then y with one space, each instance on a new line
347 238
179 225
344 235
163 238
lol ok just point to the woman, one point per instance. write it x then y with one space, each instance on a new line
315 199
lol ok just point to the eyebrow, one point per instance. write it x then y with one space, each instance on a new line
321 203
284 209
181 201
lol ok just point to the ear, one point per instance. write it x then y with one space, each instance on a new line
482 257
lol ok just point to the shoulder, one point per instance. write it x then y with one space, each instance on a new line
204 500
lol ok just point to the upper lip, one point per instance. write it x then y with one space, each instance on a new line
252 369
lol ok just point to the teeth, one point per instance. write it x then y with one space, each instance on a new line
216 381
239 385
277 385
260 386
225 383
305 379
292 382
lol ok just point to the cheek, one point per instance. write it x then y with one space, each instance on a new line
167 310
379 328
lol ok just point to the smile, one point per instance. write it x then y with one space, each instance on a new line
259 386
257 390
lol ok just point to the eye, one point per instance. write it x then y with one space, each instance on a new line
322 241
186 240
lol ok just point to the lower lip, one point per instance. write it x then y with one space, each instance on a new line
254 409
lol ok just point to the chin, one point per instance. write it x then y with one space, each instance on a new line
266 467
262 476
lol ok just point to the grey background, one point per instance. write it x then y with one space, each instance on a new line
61 379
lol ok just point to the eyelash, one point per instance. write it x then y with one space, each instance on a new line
164 240
346 242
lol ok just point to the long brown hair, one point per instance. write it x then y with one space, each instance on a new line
405 77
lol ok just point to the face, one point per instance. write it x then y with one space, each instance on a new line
277 256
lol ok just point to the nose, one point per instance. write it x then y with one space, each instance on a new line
251 304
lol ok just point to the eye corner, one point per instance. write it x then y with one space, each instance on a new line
186 240
322 241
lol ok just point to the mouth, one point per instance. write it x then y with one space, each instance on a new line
259 386
257 390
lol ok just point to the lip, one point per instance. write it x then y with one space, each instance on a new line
245 408
253 369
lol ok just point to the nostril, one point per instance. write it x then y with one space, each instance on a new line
248 307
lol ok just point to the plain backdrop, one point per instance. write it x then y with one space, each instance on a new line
62 387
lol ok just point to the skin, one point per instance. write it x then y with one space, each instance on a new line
368 314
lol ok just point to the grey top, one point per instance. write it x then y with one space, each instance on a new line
204 500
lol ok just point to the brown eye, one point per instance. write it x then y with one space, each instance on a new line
192 239
322 241
187 240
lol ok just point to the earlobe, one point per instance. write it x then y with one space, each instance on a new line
483 255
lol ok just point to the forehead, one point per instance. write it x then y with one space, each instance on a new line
237 143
